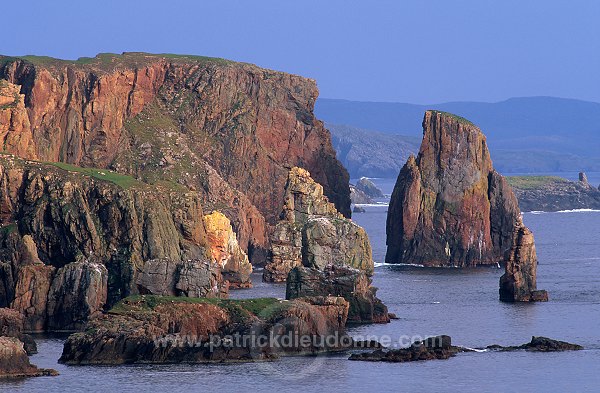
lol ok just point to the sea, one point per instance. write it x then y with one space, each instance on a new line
462 303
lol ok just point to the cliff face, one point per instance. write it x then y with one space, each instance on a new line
74 241
228 130
449 207
312 233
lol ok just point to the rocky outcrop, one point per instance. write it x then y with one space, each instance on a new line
449 207
358 197
583 178
235 266
518 284
152 329
439 347
192 278
12 324
77 240
14 362
78 292
369 188
351 284
312 233
552 193
539 344
228 130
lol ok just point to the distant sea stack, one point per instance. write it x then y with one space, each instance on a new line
449 207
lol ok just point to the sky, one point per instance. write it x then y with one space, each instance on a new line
417 51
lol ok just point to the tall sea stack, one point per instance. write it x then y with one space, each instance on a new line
450 208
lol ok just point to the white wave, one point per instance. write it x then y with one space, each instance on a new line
475 349
376 204
379 264
565 211
579 211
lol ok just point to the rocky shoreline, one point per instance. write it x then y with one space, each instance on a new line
552 193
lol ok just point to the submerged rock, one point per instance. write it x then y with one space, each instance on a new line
358 209
312 233
352 284
14 362
449 207
151 329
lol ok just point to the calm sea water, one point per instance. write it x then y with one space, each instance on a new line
461 303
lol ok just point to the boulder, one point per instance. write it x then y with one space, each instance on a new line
333 280
583 178
224 247
518 284
14 362
312 233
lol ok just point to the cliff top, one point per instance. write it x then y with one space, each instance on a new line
534 182
459 119
108 62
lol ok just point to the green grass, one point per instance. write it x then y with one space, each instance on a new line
118 179
7 229
113 59
263 307
533 182
460 119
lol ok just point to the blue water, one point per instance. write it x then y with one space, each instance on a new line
461 303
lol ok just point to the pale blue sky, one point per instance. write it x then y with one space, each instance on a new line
419 51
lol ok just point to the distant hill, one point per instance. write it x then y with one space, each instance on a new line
371 153
532 134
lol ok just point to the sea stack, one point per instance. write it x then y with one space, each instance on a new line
312 233
450 208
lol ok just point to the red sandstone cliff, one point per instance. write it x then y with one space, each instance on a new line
228 130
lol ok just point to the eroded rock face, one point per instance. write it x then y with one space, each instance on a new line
312 233
31 295
228 130
12 324
518 284
51 217
235 266
449 207
351 284
14 362
78 292
156 330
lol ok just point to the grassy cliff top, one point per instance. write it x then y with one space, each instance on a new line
262 307
534 182
110 60
460 119
118 179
